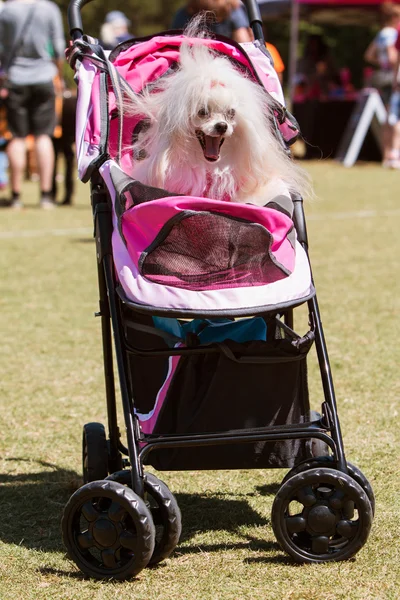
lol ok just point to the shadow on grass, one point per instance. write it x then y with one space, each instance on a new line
32 503
203 514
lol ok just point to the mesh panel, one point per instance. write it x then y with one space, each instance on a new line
205 250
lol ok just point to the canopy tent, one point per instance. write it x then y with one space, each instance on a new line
338 12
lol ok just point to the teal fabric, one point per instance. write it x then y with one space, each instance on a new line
211 331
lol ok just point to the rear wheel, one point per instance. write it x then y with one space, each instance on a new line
321 515
94 452
328 461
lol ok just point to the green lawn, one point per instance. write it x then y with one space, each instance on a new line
52 383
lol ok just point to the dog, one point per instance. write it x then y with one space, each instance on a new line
210 134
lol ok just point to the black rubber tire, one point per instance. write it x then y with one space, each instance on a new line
164 509
166 517
330 463
107 521
324 531
94 452
317 447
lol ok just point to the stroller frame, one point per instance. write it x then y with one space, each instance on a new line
110 315
326 429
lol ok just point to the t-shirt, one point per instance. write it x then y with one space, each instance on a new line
385 38
276 57
237 19
42 40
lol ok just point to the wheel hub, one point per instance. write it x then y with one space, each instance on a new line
321 519
104 533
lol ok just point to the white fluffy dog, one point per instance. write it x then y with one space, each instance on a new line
211 134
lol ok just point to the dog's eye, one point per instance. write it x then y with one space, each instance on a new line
203 112
231 113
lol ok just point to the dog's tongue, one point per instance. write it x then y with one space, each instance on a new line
212 146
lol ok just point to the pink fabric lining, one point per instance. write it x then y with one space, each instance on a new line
149 420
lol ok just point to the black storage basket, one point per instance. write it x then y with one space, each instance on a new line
213 393
221 392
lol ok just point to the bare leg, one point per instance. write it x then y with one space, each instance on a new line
16 151
396 139
45 160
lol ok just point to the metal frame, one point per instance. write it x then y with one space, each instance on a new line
327 429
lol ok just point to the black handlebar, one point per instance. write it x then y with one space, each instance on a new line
253 10
76 28
74 17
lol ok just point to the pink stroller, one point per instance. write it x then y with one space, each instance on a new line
199 296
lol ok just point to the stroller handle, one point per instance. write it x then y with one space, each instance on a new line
253 11
76 27
75 19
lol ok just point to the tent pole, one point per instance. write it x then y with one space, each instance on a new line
294 39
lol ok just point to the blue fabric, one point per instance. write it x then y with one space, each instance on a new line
211 331
237 19
3 166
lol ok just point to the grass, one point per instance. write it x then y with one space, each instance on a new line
52 383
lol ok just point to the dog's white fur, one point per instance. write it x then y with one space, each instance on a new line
208 94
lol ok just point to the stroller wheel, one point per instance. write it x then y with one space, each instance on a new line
94 452
108 530
321 515
166 517
328 461
164 511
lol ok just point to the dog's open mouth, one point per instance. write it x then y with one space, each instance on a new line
210 145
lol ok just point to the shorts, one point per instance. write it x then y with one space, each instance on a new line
31 109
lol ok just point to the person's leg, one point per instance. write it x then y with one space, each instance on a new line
396 139
45 162
16 152
69 158
17 118
42 123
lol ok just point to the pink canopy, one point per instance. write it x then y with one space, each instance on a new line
344 2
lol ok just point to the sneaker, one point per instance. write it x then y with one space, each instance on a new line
16 204
47 204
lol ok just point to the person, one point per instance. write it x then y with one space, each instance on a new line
382 53
315 71
279 65
32 46
230 18
114 30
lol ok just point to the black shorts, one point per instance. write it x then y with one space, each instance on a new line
31 109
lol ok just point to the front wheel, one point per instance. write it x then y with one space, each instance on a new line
164 510
108 530
166 517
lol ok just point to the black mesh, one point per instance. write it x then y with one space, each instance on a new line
204 250
140 193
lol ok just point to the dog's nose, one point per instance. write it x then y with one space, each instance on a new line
221 127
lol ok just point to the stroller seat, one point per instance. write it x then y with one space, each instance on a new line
200 256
